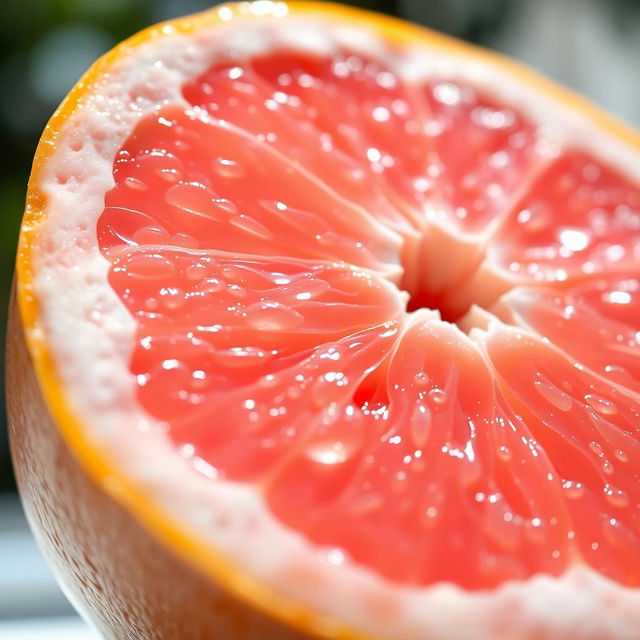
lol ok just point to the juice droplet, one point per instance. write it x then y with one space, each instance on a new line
211 285
199 202
197 271
151 235
558 398
421 378
329 388
269 381
607 467
573 489
136 184
420 425
329 453
149 265
600 404
272 316
621 455
252 227
237 357
199 379
185 241
616 497
535 218
437 396
596 447
172 297
227 168
504 453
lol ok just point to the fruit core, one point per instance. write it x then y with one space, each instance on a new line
260 233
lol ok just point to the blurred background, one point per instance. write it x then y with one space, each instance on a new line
590 45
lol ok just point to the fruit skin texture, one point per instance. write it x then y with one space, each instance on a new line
129 584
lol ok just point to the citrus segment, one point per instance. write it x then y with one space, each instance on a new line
213 185
590 432
289 98
485 152
431 478
601 311
579 217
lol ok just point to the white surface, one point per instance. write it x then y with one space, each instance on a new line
46 629
27 588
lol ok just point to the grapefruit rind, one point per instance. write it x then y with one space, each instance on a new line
61 278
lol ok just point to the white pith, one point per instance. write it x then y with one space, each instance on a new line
91 335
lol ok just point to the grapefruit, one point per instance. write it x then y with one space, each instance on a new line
328 326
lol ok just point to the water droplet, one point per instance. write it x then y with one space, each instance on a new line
596 447
616 497
211 285
504 453
380 114
269 381
226 168
199 202
420 425
149 265
237 291
617 297
185 241
272 316
558 398
172 297
437 396
197 271
150 235
421 378
574 239
621 455
535 218
336 556
447 93
169 175
329 388
573 489
237 357
251 226
136 184
600 404
329 453
607 467
199 379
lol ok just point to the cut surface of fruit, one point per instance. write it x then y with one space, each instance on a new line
358 309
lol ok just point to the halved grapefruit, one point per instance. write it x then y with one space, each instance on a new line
327 325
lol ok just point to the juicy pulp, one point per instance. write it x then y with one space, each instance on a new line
262 244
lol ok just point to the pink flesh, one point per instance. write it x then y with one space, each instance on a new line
260 241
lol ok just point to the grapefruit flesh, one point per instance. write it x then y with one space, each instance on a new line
334 332
261 239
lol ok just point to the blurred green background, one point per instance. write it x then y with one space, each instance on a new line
591 45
